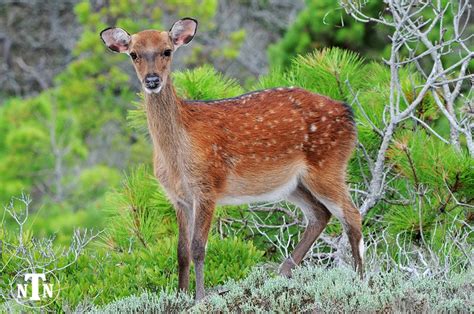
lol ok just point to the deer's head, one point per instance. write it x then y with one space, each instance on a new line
151 51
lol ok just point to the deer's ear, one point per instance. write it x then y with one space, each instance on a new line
183 31
116 39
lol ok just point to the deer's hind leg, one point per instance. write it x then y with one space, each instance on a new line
204 210
317 216
329 188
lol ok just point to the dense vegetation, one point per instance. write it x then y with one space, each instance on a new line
325 291
80 149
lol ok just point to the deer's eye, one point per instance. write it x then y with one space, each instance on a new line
167 52
133 55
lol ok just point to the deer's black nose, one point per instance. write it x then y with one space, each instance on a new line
152 81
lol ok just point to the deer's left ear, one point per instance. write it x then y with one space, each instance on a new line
183 31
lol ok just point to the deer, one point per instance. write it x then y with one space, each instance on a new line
275 144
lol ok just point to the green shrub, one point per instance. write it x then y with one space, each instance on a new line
205 83
102 276
138 212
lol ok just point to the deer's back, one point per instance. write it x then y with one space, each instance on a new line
273 124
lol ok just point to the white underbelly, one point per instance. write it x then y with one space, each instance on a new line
277 193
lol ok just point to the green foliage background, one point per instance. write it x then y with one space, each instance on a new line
323 23
80 149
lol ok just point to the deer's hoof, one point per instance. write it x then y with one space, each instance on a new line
199 296
286 268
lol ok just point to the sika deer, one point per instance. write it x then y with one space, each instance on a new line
269 145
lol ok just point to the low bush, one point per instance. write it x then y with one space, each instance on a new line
102 276
315 289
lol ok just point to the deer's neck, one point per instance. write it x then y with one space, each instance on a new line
165 115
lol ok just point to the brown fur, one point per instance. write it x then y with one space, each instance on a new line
206 152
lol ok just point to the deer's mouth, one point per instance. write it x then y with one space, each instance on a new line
154 90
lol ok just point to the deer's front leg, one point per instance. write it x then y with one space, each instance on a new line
184 217
203 211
